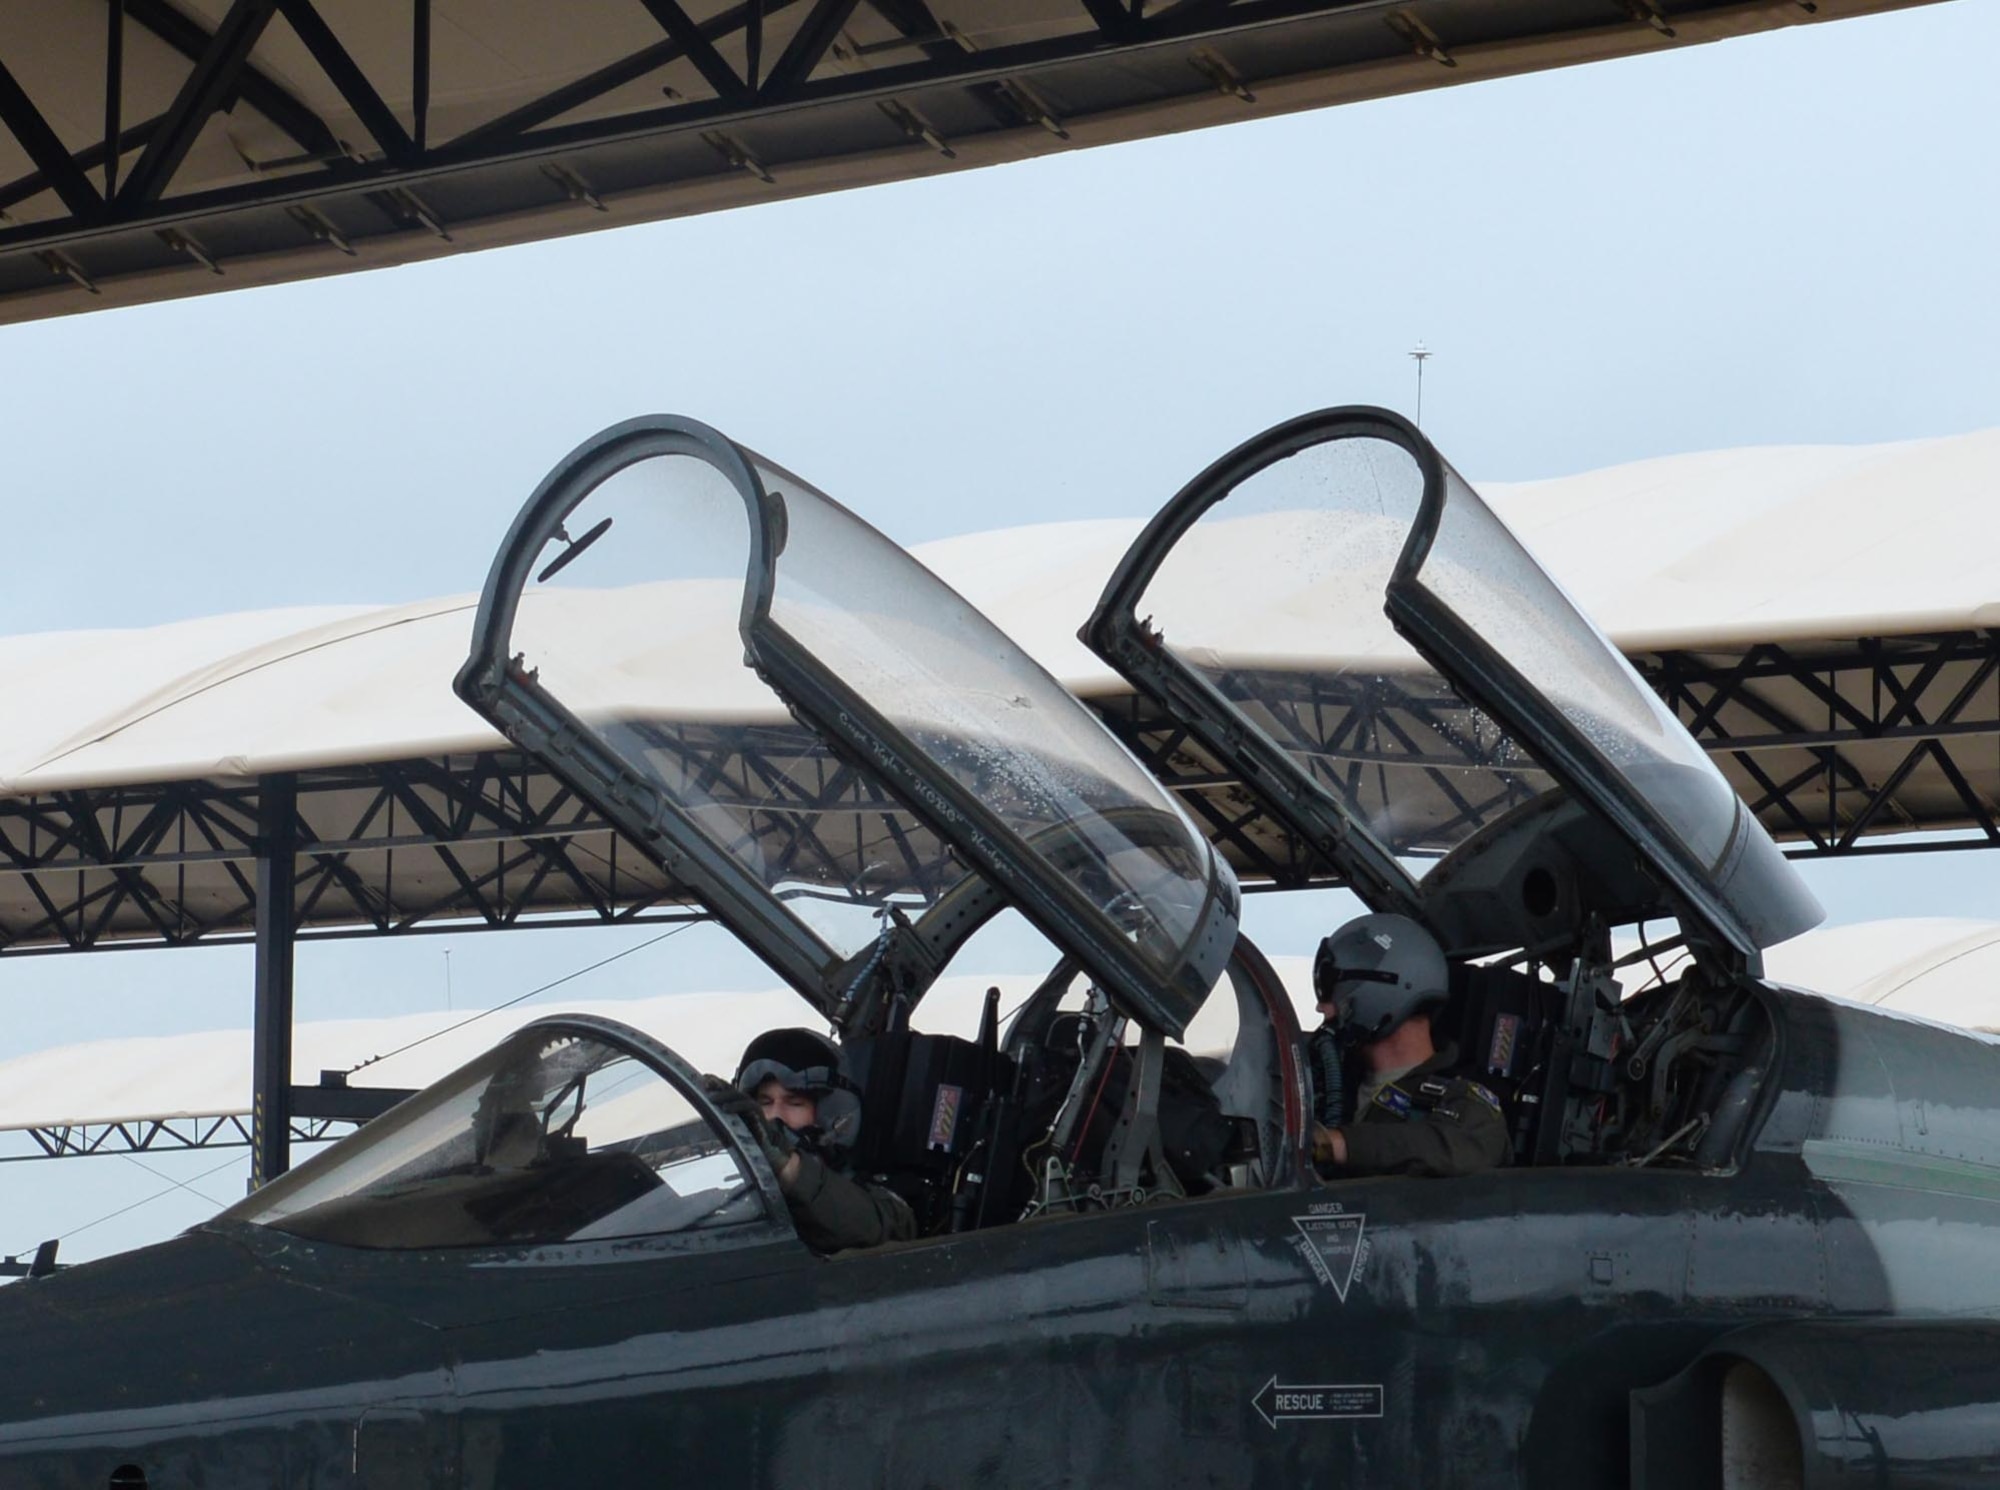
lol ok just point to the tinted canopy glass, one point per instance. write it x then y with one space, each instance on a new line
1339 620
608 644
635 631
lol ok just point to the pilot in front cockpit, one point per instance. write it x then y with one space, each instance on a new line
805 1114
1378 980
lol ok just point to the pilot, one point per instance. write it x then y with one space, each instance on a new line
1378 979
805 1114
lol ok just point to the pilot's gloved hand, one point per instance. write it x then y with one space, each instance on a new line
727 1096
1329 1147
777 1141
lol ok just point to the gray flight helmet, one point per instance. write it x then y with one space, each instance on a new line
1379 971
807 1062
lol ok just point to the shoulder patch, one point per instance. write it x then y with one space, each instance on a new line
1484 1094
1394 1099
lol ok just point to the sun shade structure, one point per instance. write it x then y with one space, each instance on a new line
156 148
136 764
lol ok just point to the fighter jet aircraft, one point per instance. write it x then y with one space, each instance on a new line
1747 1237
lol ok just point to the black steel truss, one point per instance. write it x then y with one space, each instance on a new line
222 1130
1422 768
316 1114
484 841
388 848
744 98
1840 749
1838 745
1868 746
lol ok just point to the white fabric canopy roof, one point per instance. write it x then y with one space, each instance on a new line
1934 967
1774 544
1703 551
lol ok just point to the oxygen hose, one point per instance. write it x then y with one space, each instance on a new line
1329 1079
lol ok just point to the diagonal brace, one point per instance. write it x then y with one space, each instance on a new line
45 149
214 79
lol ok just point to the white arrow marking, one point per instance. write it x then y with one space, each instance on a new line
1307 1403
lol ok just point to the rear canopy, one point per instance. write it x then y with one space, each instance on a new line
1457 685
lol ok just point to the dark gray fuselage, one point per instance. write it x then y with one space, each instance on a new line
1486 1331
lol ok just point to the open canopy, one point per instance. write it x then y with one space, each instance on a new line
1457 694
659 536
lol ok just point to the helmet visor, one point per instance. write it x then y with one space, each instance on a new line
792 1079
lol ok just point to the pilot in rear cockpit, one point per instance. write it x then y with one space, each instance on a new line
1386 1099
806 1114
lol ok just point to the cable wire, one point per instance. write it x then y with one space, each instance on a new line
523 998
188 1185
146 1200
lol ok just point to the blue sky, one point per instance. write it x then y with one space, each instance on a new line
1779 240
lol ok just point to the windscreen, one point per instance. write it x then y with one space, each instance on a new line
996 730
1498 593
629 621
1275 596
555 1135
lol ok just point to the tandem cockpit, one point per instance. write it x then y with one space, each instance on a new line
854 770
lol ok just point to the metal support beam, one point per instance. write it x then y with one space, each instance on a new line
420 77
301 124
271 1025
345 74
341 1103
158 1135
697 48
114 93
1112 18
215 78
51 157
815 37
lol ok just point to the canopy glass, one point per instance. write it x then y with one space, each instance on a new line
635 632
1414 765
665 585
1469 589
1432 678
570 1130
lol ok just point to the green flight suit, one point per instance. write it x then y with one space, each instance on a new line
1428 1122
834 1211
